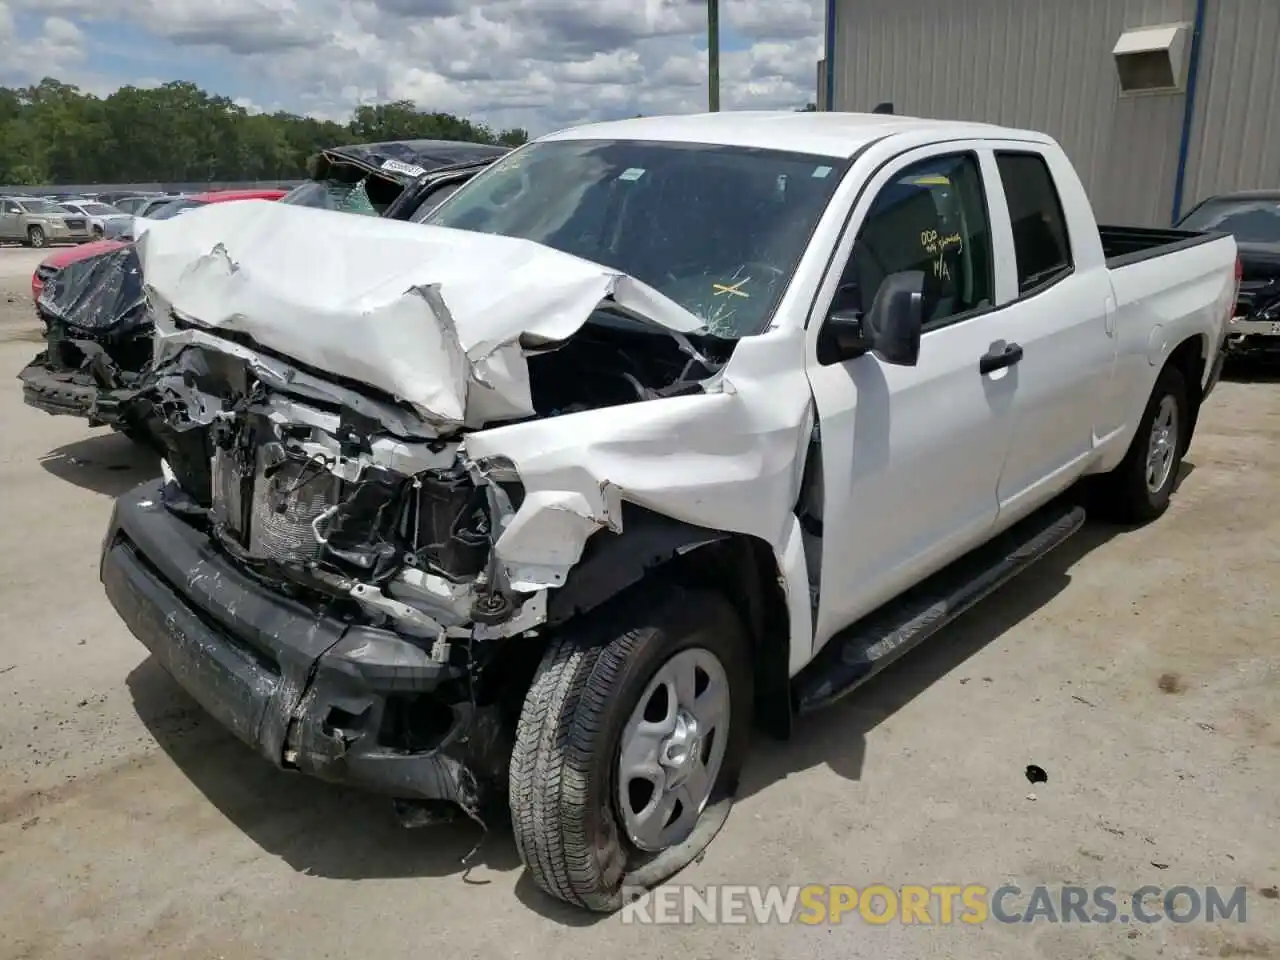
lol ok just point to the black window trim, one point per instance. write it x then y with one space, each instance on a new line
819 317
1070 270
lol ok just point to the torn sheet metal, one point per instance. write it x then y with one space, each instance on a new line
432 316
728 461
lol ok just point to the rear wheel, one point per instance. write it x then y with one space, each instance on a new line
36 237
1138 490
96 233
630 744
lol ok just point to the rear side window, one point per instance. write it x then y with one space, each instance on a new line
1040 241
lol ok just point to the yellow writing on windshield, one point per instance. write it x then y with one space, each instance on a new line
734 289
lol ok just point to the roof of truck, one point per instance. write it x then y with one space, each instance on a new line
817 132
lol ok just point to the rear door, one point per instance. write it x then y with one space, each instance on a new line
911 456
1055 307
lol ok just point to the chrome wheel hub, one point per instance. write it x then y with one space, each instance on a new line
671 749
1162 446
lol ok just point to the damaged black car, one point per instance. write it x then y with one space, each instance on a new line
98 341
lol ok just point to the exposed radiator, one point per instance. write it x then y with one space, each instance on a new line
271 512
283 508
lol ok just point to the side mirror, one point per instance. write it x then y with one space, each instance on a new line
896 318
890 329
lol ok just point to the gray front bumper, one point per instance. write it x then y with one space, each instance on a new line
304 688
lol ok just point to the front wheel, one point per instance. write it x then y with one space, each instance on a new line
96 234
630 744
36 237
1138 490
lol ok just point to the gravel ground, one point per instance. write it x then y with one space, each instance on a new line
1139 669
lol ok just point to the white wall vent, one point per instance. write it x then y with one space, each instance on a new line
1153 59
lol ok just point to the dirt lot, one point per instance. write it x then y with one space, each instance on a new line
1140 670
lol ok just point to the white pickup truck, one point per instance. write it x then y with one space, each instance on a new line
655 428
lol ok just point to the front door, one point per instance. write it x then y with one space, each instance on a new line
911 456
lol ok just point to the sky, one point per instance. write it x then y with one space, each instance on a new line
537 64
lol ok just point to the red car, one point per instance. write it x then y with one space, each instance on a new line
60 258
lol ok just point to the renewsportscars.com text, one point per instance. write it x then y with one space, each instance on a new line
934 904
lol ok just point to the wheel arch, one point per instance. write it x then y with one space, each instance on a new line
741 566
1191 358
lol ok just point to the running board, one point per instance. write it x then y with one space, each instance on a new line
859 652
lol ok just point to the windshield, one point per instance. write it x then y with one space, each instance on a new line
717 229
41 206
1249 221
170 209
332 195
98 209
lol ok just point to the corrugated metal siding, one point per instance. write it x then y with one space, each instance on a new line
1235 138
1041 64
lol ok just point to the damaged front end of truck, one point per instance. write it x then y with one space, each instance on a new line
97 340
337 564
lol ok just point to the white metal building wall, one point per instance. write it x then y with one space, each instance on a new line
1043 64
1235 136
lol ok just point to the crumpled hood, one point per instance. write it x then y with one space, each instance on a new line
433 316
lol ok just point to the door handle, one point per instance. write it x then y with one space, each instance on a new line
994 361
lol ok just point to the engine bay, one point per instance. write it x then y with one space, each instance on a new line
320 493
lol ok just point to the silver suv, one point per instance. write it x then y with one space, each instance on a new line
37 223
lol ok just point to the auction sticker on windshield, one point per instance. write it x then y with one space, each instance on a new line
408 169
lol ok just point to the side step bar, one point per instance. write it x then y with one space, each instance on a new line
859 652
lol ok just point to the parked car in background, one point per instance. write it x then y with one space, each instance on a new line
100 302
96 214
114 197
369 177
1253 218
37 223
421 197
162 208
132 203
653 430
97 334
55 261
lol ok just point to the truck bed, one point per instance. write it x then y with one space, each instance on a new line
1126 245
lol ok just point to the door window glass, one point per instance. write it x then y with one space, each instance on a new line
1040 242
931 217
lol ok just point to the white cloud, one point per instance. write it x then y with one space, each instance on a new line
8 31
56 48
539 64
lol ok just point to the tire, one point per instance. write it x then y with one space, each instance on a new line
95 234
36 237
1130 493
565 796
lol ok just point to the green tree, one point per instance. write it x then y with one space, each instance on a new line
514 137
52 133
